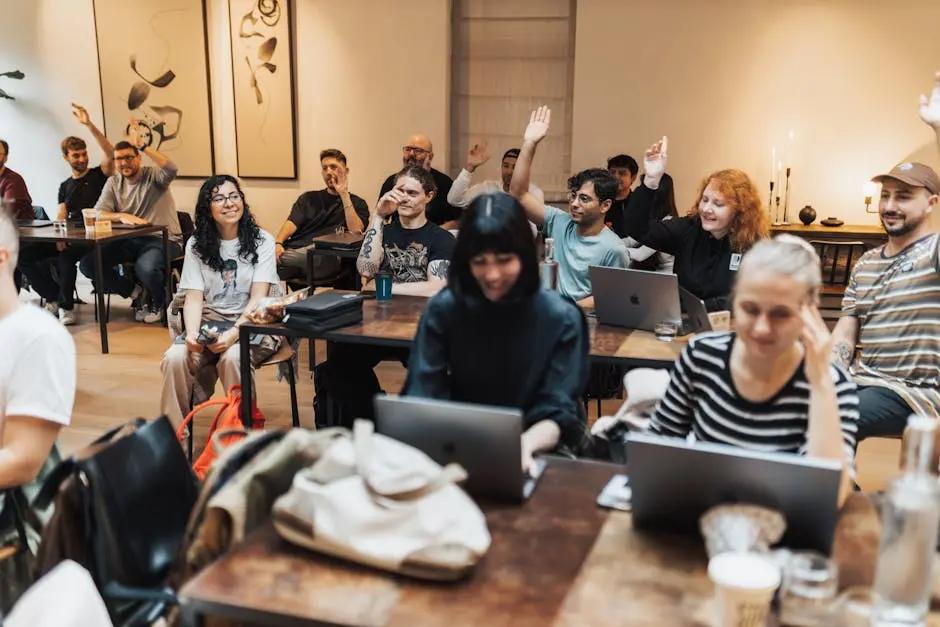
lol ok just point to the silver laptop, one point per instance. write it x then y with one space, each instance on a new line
635 299
674 482
694 314
486 441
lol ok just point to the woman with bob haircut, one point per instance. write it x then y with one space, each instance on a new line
767 385
494 337
724 222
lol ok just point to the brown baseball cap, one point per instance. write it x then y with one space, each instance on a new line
913 174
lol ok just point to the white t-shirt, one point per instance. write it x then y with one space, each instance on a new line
37 371
226 293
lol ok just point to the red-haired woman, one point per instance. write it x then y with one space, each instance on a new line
725 221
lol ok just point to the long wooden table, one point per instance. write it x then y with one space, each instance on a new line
395 323
78 236
871 234
556 560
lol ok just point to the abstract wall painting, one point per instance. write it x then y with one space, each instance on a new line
263 82
153 65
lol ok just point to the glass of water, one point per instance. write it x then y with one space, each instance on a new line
808 593
666 330
855 607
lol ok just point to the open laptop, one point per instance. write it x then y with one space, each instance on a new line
32 224
694 314
485 440
635 299
674 482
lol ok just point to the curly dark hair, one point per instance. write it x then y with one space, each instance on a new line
206 238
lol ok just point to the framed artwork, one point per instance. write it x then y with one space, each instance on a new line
263 82
153 63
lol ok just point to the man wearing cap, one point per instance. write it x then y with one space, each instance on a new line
419 151
891 308
461 194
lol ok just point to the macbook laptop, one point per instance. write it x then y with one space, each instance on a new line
32 224
694 314
635 299
485 440
673 482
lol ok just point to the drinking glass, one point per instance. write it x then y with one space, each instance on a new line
808 594
666 330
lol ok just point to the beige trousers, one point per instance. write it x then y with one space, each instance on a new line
179 368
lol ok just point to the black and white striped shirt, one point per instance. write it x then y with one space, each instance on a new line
702 399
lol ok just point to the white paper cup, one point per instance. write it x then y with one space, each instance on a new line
89 216
744 587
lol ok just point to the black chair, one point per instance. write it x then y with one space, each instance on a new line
836 258
187 228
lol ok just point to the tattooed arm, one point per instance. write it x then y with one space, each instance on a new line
437 280
844 337
371 253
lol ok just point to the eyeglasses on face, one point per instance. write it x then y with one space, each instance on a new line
584 199
233 198
416 150
125 157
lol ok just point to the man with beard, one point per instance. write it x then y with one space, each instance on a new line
461 194
80 191
419 151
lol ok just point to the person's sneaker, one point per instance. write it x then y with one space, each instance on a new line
139 313
52 307
150 315
67 317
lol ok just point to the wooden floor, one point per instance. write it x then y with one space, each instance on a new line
126 383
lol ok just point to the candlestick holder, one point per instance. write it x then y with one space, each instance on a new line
770 203
776 221
786 198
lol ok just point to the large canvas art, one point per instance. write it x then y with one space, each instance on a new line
263 81
153 61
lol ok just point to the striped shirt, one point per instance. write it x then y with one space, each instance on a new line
897 303
703 400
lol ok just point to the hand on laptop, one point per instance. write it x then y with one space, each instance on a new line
528 462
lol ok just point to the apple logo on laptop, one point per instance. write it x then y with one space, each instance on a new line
635 299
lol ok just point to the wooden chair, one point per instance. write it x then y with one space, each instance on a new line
835 276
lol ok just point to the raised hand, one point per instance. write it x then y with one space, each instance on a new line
389 202
81 114
930 108
340 181
818 344
654 159
477 156
538 125
134 134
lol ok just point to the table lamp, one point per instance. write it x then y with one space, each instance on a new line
869 189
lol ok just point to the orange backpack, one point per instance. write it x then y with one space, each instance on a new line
228 420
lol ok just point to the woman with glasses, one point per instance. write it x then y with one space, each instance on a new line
229 265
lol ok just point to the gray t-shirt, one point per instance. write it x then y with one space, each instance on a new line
148 197
576 253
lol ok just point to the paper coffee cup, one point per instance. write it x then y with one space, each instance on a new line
744 587
88 217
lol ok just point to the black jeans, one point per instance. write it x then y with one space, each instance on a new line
146 253
346 383
881 412
37 262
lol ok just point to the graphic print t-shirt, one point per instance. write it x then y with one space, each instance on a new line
407 252
226 293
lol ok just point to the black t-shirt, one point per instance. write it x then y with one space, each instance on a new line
81 193
614 217
407 252
439 210
319 213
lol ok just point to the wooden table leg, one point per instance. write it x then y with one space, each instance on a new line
167 275
99 297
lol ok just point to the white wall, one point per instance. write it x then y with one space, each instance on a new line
728 79
363 84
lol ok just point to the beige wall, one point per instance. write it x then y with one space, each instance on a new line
363 85
728 79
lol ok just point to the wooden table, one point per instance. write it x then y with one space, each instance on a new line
78 236
395 323
872 234
557 560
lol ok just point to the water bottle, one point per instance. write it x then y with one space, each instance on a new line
548 268
910 518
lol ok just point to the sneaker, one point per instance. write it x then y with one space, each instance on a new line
150 315
52 307
140 313
67 317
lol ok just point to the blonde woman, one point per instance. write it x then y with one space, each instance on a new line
767 385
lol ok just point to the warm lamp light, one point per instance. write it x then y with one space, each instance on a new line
869 189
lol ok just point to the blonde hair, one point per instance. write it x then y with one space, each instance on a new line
786 255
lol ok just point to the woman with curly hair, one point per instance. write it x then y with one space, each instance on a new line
229 265
707 243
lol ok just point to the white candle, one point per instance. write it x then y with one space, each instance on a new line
777 184
773 161
790 151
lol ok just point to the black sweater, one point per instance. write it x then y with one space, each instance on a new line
531 354
703 264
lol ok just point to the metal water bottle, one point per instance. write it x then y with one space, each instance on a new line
910 518
548 268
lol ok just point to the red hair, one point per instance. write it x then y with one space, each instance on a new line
749 222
